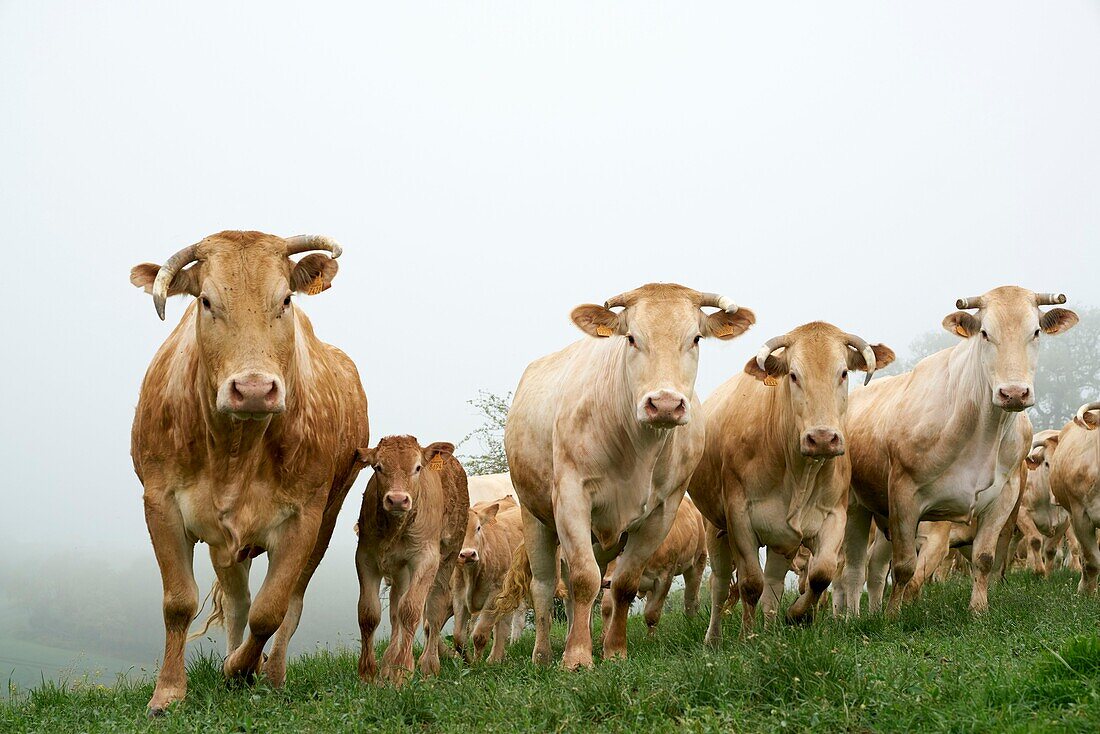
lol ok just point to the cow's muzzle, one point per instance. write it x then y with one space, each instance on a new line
821 442
467 555
397 503
252 395
663 409
1014 396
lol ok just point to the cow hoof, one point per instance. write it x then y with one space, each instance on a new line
577 661
158 705
542 657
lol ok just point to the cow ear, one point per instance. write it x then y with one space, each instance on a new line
313 274
723 325
596 320
1035 459
962 324
439 448
775 366
185 282
884 356
1091 419
367 457
1057 320
489 514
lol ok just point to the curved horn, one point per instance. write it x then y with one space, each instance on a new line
1079 419
168 272
1050 299
972 302
306 242
770 346
868 355
716 300
623 299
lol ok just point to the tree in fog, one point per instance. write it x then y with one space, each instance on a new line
489 436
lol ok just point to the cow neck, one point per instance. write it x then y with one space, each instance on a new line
804 471
647 442
974 418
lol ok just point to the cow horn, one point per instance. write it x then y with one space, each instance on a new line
770 346
868 355
623 299
306 242
972 302
716 300
1050 299
168 272
1079 419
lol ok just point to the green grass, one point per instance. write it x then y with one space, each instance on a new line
1031 664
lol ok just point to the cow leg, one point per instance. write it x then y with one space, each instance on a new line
233 579
500 641
409 596
462 614
856 530
575 534
1087 549
606 607
641 544
275 666
1002 558
903 522
693 579
175 556
776 567
436 610
286 563
878 568
721 576
821 568
746 556
542 553
370 612
655 601
937 544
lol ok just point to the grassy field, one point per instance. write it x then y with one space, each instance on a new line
1031 664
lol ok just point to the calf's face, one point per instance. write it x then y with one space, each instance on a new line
477 519
401 468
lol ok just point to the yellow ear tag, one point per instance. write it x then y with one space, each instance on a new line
602 330
722 330
771 381
316 285
436 464
962 332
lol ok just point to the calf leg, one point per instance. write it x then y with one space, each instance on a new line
721 576
409 600
436 610
937 544
693 579
175 556
856 530
655 601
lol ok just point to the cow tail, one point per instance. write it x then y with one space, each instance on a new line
217 611
516 587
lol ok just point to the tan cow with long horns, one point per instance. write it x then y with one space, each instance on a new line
1075 483
244 439
602 438
774 472
941 442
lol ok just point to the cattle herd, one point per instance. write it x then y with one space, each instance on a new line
249 432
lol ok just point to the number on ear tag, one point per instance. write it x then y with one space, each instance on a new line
722 330
436 464
962 332
316 285
771 381
602 330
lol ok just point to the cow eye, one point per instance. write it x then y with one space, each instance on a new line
205 303
286 301
794 378
1036 335
416 470
697 338
630 339
985 334
844 375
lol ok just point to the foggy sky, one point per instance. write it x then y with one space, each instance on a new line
488 166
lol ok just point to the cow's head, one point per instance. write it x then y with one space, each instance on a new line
1088 416
402 467
244 322
478 518
1006 329
810 367
1043 446
659 330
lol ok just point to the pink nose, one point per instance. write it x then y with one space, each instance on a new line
254 393
821 442
467 555
397 502
665 408
1015 396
